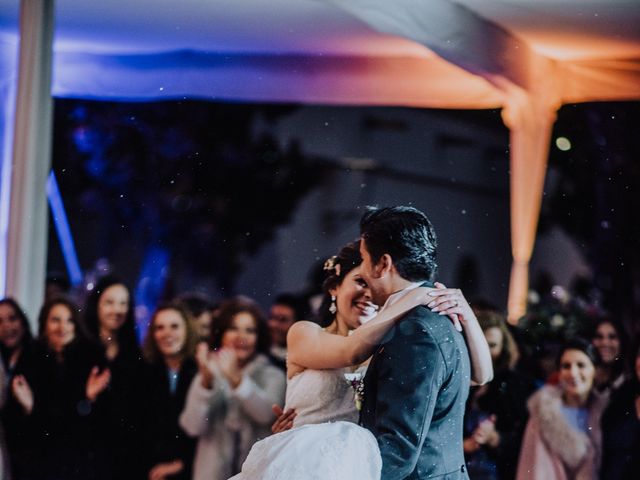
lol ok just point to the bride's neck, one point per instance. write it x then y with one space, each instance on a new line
338 327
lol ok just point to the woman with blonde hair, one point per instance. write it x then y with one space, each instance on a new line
497 412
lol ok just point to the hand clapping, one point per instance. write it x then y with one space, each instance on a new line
229 366
486 433
22 391
225 361
97 382
205 361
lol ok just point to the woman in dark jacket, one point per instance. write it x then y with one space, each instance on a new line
16 350
609 339
169 350
59 393
621 429
15 335
108 317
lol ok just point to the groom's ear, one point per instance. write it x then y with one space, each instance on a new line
384 266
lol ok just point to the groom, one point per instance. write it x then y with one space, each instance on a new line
418 380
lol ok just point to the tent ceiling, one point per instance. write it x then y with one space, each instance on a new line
561 29
238 26
569 29
526 56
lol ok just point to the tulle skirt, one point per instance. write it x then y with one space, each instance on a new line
326 451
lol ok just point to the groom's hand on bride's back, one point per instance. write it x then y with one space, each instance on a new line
285 419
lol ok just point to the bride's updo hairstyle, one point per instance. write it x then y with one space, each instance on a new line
336 269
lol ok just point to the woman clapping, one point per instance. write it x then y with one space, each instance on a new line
59 393
229 403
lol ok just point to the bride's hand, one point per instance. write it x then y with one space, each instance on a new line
419 296
424 296
451 302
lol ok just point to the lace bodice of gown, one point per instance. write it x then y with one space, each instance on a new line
320 396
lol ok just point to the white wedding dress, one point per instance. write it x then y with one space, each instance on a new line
325 442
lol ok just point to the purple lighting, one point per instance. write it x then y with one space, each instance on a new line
64 232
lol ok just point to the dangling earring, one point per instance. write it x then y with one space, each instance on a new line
332 308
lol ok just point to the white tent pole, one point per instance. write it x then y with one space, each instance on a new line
27 229
8 61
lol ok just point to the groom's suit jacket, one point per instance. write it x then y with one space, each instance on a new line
415 391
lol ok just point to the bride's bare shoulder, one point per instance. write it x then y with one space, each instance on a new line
300 337
303 327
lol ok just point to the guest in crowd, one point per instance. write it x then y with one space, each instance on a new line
201 310
609 339
16 350
228 406
497 412
621 429
15 335
4 460
59 394
563 438
285 311
169 350
109 318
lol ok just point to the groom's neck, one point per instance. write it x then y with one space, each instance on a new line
398 284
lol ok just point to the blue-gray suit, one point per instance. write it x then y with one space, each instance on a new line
415 391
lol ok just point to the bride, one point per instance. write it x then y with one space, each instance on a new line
325 441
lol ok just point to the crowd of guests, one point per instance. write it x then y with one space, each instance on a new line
582 422
83 400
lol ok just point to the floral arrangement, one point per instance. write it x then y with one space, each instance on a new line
556 318
356 380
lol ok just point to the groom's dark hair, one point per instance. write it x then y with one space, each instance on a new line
406 234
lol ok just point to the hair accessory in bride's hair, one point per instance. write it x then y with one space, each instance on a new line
332 264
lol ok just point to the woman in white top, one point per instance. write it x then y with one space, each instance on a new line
228 407
326 441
